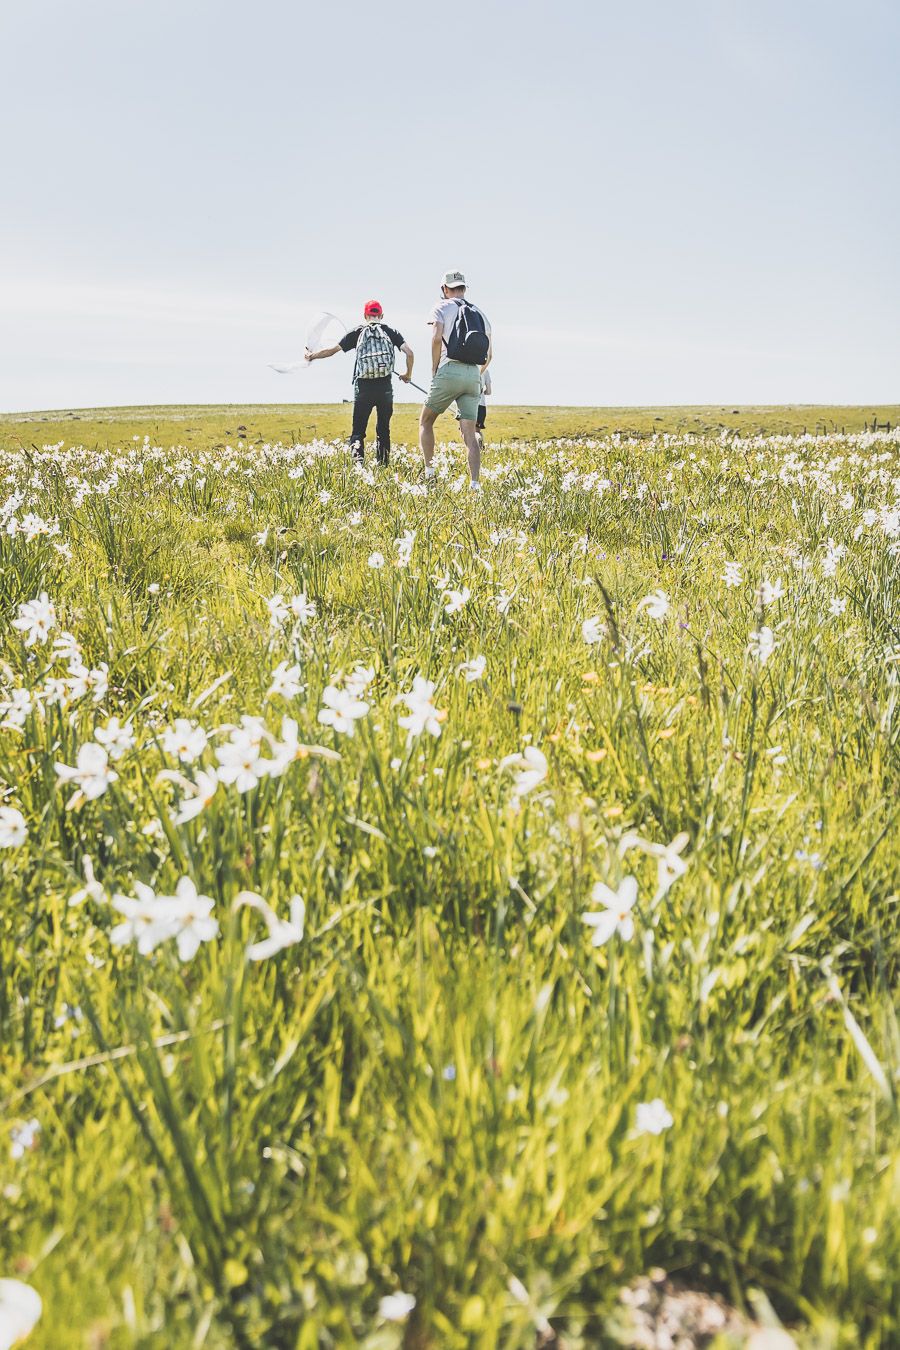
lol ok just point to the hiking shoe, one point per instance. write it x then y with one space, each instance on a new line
383 458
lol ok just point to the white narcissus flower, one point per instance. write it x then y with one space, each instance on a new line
240 761
652 1117
185 740
198 793
55 692
91 774
91 890
35 618
768 592
13 830
359 679
396 1307
404 547
66 647
656 604
23 1138
593 631
278 610
341 709
15 709
529 767
291 748
732 574
669 866
376 561
140 920
191 918
762 644
615 916
287 681
150 919
20 1312
282 932
302 609
423 715
81 681
474 669
454 600
285 751
118 739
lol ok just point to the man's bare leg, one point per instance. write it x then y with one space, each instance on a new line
426 435
473 443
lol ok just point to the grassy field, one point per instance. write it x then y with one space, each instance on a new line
203 426
423 915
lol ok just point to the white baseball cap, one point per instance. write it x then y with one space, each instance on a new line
453 279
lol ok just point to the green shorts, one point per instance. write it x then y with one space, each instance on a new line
456 381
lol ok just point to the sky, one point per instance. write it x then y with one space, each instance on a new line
653 203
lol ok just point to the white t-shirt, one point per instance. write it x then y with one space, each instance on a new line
445 313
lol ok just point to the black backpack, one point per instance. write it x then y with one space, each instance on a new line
468 341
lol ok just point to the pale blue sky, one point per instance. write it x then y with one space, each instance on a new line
655 203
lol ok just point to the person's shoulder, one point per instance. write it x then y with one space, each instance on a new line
394 334
350 338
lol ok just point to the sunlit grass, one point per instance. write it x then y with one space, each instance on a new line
435 1091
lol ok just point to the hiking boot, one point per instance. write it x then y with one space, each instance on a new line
382 457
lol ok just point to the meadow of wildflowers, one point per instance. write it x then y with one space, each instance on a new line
422 915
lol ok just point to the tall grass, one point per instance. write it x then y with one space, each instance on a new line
437 1089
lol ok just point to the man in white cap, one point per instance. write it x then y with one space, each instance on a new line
461 352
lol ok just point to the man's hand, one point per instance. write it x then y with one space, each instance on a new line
308 355
407 377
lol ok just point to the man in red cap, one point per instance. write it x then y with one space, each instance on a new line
373 386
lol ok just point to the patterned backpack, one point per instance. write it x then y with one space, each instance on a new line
374 354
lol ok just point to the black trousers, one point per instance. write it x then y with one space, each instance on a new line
377 394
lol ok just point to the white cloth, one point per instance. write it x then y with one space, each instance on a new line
445 313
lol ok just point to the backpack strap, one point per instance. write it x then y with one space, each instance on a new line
362 332
459 307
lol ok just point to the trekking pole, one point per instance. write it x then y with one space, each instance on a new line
413 383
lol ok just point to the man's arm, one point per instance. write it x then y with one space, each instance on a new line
490 355
437 344
318 356
407 351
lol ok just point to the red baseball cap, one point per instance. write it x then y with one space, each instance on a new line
372 307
